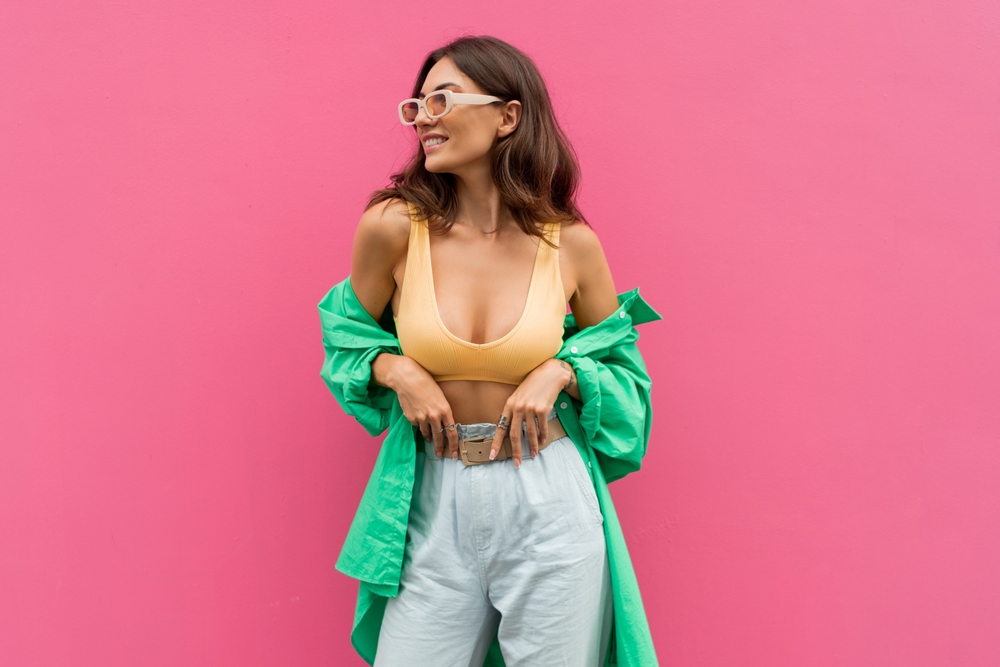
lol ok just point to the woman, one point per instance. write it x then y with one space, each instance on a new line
477 250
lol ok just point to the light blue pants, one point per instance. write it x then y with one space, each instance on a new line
493 548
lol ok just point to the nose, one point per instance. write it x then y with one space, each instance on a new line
422 118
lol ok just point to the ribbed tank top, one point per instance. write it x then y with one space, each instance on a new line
423 337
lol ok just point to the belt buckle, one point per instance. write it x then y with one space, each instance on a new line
480 450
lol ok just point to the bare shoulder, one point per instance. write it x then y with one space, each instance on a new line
380 242
384 227
580 241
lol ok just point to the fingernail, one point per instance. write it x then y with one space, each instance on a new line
492 454
517 463
454 455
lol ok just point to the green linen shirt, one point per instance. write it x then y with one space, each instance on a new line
610 426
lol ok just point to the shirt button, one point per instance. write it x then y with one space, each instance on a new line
589 464
621 314
563 405
573 349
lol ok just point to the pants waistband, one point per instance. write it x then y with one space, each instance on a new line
483 430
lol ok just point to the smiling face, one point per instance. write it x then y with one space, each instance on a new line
469 131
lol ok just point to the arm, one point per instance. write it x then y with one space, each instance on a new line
378 250
613 386
349 313
379 246
594 298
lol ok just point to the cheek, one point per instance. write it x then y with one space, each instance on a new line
471 146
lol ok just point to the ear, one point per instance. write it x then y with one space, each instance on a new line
509 118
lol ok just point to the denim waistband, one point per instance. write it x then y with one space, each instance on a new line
488 429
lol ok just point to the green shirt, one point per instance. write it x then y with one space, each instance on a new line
610 426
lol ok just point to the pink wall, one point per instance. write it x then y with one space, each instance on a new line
808 192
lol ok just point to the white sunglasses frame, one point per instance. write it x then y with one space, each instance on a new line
450 100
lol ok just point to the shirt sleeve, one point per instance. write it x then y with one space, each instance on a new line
351 341
615 411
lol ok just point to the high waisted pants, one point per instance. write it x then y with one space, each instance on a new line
493 548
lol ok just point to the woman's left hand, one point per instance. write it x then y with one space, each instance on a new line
533 399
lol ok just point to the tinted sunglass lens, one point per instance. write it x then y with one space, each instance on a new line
436 103
410 110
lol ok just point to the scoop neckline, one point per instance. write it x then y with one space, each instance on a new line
524 311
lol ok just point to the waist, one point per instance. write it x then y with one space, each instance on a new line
476 401
474 440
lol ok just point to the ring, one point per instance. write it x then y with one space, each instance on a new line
433 431
502 424
450 427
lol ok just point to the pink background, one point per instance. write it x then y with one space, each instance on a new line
808 192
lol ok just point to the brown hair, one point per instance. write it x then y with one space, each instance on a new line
534 167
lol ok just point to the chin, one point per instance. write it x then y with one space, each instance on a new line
434 167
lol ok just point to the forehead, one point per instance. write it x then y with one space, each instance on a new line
444 71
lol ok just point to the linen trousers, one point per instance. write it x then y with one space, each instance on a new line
493 549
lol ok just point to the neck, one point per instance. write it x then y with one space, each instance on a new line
479 204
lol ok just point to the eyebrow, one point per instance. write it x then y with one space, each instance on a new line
443 85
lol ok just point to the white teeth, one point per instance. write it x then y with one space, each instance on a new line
434 142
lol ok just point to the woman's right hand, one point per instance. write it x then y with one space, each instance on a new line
423 402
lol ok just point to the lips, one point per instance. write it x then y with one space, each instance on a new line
431 147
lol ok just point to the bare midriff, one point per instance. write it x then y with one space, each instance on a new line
476 401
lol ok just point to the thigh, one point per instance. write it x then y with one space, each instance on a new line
564 624
552 583
447 630
441 616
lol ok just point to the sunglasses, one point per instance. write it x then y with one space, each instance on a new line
438 104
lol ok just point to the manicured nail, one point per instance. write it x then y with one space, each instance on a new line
492 454
517 463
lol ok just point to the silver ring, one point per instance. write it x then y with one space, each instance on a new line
502 424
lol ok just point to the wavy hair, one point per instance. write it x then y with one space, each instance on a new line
534 167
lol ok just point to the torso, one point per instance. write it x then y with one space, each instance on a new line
481 284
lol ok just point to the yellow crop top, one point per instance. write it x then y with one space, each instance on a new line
537 336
